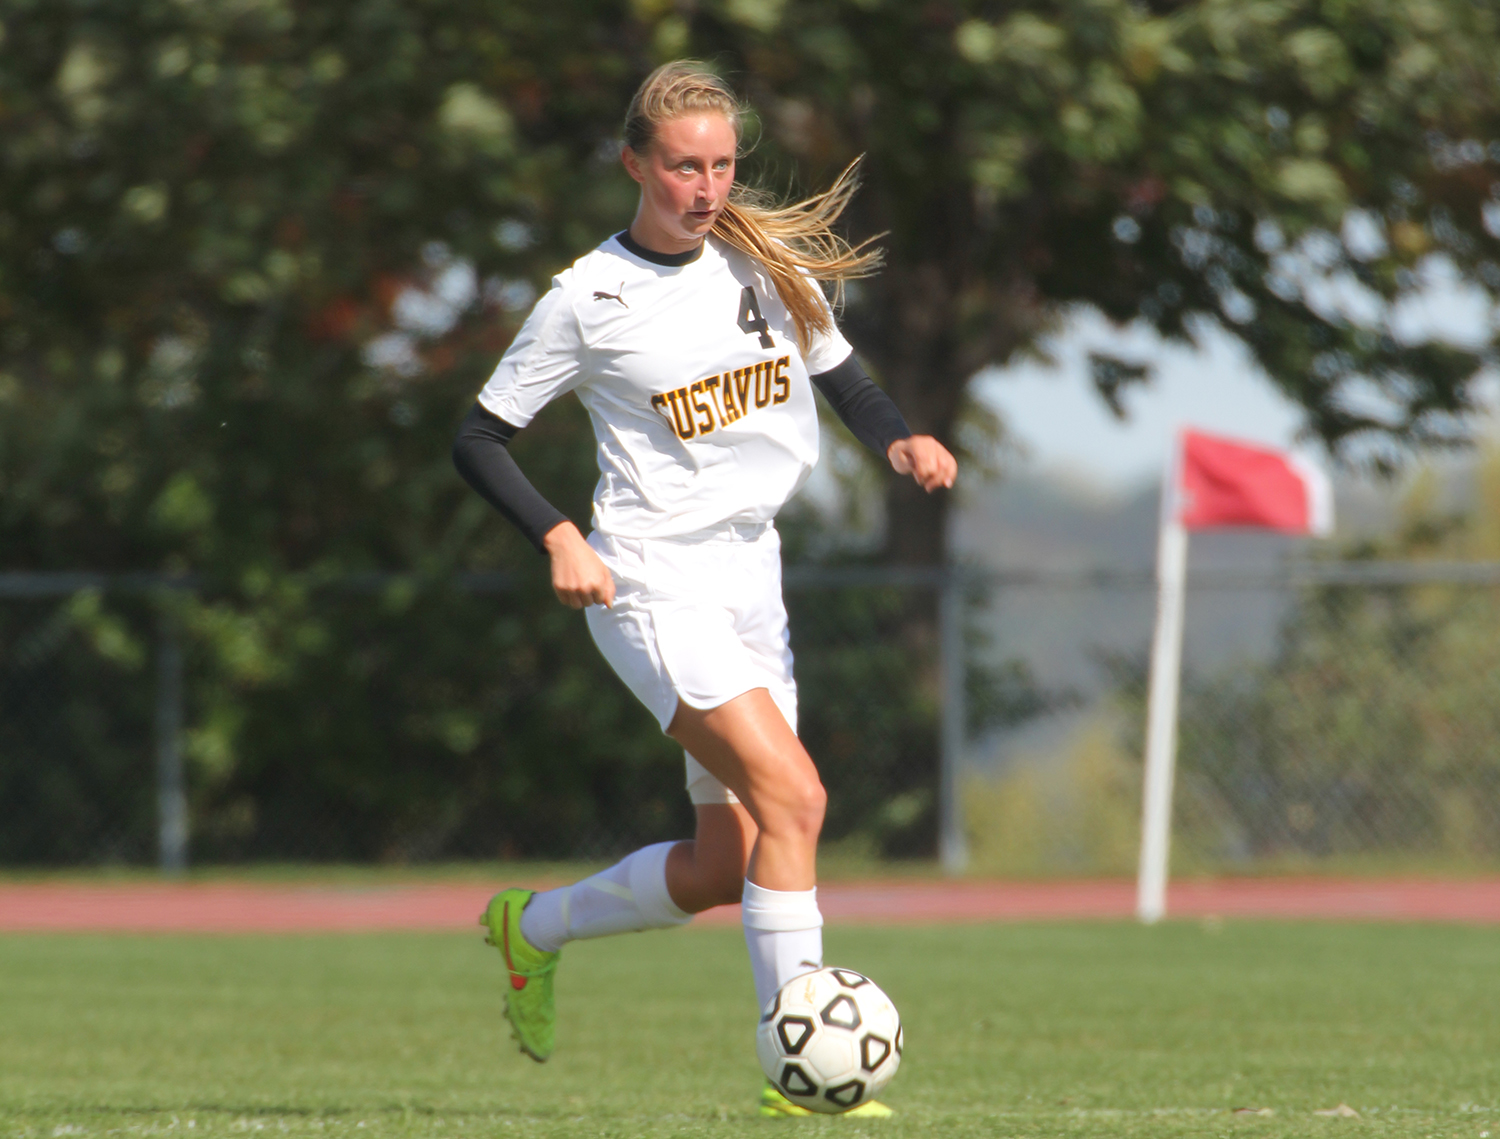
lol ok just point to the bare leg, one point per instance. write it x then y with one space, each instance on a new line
710 870
748 745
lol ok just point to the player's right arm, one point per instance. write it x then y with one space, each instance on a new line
543 361
579 576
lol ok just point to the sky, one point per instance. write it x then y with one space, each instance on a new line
1061 425
1059 422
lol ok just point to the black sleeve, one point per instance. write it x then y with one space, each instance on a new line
866 410
482 457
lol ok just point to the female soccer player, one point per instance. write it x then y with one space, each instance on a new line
694 339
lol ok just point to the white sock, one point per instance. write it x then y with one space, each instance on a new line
784 933
630 896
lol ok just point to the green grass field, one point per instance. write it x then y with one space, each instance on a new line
1024 1030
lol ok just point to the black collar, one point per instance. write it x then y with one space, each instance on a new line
671 260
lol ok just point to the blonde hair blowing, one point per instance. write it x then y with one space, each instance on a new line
795 242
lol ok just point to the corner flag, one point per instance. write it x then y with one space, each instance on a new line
1210 482
1225 483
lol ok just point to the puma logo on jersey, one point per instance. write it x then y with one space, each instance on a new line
701 408
600 295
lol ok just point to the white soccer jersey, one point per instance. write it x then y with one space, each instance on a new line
699 397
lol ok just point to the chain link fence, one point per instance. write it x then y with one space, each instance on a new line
1337 717
77 784
394 719
1371 736
1341 717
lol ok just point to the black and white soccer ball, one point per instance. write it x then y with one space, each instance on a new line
830 1040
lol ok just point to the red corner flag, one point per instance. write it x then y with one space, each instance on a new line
1225 483
1217 482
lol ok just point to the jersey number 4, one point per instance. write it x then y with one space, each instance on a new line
751 320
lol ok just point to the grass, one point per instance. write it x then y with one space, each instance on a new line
1018 1030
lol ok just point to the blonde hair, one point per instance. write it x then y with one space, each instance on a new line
795 242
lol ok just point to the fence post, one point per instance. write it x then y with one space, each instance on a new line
952 846
171 793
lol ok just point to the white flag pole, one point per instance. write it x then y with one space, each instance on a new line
1161 704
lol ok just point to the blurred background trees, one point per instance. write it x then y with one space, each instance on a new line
257 259
1278 168
256 256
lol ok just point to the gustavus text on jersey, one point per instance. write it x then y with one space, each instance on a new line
706 405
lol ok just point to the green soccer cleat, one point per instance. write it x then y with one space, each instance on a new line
528 1002
774 1105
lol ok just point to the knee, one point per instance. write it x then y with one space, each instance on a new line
815 805
800 807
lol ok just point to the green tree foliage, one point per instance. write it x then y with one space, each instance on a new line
73 726
1170 163
1165 162
255 260
257 255
210 209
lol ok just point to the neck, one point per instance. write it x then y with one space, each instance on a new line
667 260
648 234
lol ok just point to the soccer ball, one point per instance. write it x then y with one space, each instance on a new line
830 1040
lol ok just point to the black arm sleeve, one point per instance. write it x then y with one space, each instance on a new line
866 410
482 457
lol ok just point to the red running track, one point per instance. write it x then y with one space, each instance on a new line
263 908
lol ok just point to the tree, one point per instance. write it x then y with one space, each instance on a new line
1174 163
255 260
1170 163
210 211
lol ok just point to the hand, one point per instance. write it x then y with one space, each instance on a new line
579 576
925 459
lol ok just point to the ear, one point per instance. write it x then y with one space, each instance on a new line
632 163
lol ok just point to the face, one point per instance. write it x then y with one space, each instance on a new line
685 175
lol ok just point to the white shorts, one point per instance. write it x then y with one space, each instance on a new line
700 620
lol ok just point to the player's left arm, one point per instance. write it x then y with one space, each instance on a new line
873 418
925 459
